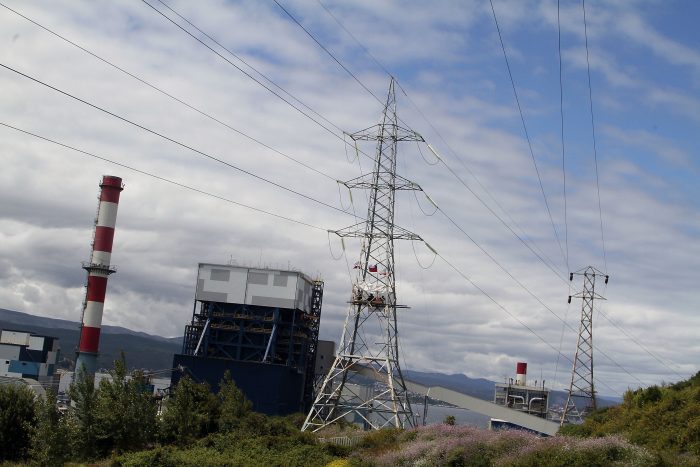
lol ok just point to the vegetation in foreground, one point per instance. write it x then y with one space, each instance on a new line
460 445
117 424
664 419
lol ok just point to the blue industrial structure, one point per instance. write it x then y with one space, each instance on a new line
261 325
27 355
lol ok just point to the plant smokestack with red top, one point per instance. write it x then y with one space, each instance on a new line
521 374
98 269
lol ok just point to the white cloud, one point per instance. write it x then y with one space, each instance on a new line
445 57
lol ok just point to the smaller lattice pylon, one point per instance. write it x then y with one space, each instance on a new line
582 386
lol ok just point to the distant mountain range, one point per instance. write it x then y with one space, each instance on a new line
142 350
150 352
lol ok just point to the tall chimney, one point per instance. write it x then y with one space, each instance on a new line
98 270
521 374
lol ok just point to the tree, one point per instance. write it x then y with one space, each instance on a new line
126 411
17 415
234 405
450 420
190 413
84 401
51 435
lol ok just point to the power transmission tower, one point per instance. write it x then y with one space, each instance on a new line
369 344
581 387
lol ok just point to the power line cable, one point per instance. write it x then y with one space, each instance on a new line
551 266
158 177
595 147
329 53
366 50
379 64
340 137
522 323
639 344
439 135
563 147
258 72
525 288
165 93
368 90
563 171
174 141
301 111
527 135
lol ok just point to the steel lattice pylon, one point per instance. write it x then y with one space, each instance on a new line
582 387
369 343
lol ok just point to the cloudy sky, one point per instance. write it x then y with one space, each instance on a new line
455 90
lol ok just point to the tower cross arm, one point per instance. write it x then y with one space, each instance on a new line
386 131
367 181
358 231
588 296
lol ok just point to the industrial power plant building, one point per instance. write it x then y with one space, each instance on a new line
27 355
261 325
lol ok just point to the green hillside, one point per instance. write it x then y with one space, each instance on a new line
664 419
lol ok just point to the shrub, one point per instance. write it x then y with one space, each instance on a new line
17 415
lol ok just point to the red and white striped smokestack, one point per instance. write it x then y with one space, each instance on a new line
521 374
98 270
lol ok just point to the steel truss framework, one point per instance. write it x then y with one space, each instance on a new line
582 386
370 335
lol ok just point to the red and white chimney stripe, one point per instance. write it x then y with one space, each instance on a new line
99 267
521 374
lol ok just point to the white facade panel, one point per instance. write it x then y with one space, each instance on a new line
14 337
221 283
36 343
261 287
9 352
51 357
271 288
12 375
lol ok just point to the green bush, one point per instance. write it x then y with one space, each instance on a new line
665 419
17 416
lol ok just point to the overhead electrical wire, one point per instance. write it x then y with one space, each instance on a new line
522 323
169 95
595 147
282 217
522 119
517 281
549 265
158 177
174 141
563 146
329 53
301 111
384 69
245 62
529 145
639 344
347 31
563 171
561 103
340 137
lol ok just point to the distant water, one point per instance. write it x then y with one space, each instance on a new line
437 414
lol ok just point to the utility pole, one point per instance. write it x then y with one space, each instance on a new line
369 345
581 387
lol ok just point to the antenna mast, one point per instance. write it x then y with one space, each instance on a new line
581 386
369 345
